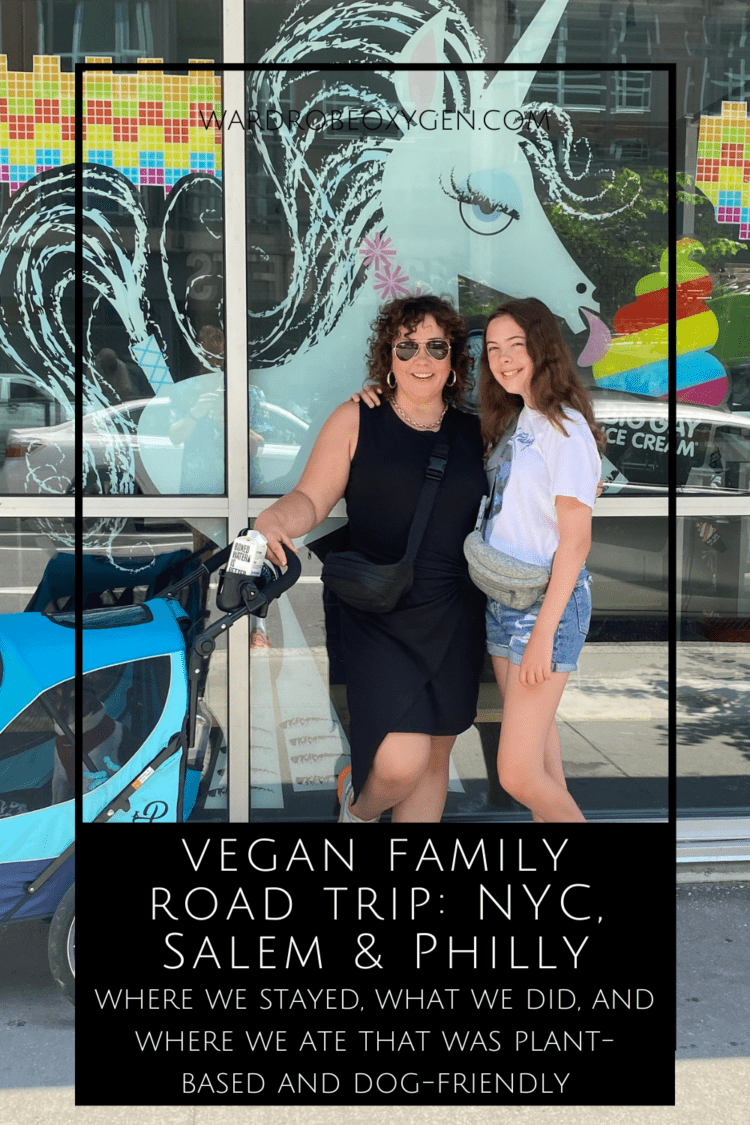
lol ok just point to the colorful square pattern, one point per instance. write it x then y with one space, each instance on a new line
147 125
723 173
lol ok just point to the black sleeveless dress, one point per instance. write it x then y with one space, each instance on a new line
417 668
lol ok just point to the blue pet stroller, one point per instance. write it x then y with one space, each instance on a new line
146 740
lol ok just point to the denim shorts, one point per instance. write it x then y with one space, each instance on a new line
508 630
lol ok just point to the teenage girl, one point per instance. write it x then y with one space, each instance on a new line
542 511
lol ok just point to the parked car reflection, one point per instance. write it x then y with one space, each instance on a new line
284 434
630 556
24 403
41 459
712 446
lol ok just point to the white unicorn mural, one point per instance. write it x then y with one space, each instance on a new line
389 211
426 206
378 214
462 201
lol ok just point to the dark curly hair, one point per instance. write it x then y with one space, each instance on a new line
408 312
554 384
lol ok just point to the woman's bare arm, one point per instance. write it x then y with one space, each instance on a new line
322 484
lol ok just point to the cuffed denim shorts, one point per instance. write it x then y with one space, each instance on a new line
508 630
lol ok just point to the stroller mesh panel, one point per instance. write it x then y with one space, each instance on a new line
27 758
134 695
36 763
116 618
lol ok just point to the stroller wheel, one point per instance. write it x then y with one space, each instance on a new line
61 944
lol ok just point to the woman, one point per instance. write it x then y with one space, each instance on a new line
412 674
541 513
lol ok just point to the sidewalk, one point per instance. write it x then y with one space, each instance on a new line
710 1090
613 721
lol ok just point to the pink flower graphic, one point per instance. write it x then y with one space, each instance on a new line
376 251
391 283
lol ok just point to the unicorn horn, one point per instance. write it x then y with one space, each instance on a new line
512 88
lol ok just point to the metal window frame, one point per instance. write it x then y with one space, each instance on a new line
233 506
623 89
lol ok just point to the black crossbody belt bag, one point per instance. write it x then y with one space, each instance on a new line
378 587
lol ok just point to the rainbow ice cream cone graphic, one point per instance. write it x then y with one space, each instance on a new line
637 358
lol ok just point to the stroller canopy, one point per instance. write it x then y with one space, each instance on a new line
38 652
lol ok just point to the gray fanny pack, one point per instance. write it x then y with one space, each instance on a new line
502 577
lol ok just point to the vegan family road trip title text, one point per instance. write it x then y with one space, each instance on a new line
422 967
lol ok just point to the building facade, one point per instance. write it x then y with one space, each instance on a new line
257 179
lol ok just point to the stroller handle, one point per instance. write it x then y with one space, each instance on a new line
254 594
286 580
242 597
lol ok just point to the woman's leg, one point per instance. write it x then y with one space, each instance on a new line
529 762
410 775
425 803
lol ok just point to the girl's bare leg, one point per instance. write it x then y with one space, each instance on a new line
553 761
409 774
552 752
529 762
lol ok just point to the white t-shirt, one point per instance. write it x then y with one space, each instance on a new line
543 464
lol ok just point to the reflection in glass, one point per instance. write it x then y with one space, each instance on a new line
712 446
157 341
713 664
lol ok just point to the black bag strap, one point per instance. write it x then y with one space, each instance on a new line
436 463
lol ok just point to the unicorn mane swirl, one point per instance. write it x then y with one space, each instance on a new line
335 203
341 190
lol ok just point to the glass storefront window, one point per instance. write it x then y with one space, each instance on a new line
124 30
713 664
154 400
382 211
538 197
712 447
629 563
26 548
714 578
620 110
333 227
27 739
151 321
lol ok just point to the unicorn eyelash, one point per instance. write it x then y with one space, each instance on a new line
475 198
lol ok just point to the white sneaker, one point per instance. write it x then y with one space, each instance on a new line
345 793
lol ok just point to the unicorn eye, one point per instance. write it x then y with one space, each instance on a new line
489 201
481 217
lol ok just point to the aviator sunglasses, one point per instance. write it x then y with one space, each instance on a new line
407 349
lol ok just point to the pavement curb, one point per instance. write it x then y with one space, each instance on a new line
725 872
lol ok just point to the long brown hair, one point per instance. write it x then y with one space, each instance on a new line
554 384
408 312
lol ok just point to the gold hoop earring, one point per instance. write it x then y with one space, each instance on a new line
388 378
451 380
